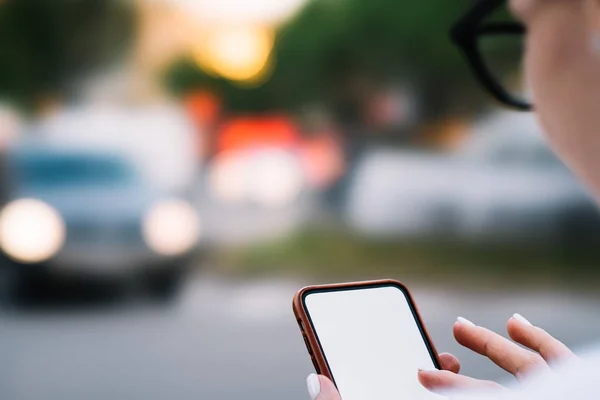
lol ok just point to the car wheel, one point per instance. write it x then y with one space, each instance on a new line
16 288
163 285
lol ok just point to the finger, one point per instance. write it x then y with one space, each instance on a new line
449 362
444 381
321 388
504 353
537 339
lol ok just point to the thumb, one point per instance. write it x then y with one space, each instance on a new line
321 388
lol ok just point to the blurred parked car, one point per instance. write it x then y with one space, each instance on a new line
504 184
79 212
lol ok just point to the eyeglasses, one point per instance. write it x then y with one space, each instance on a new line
475 37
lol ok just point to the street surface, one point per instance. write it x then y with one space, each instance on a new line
227 340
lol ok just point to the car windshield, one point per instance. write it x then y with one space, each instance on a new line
72 170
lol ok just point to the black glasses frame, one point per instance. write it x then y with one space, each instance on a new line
466 34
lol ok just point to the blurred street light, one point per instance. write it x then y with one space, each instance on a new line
238 36
255 11
239 53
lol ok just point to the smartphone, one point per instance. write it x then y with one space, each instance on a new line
368 338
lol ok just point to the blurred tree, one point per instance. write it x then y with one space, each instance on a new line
46 46
333 49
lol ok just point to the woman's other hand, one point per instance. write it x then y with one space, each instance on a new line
540 353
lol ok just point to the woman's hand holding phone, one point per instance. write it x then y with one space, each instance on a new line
321 388
546 351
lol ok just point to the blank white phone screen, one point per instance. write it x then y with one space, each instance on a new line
372 343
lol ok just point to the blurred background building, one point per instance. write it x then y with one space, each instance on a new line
216 155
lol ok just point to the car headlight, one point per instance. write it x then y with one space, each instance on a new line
31 231
171 227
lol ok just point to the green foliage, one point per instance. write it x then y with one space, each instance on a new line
333 40
47 44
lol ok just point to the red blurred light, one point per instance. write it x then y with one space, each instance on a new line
251 132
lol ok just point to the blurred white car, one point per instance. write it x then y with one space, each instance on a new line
271 178
82 212
505 184
159 139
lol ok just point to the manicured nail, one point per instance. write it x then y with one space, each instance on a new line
522 319
464 321
428 370
314 386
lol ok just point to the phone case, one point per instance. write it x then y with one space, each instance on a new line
310 338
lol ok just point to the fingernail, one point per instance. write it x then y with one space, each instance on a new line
314 386
522 319
465 321
428 370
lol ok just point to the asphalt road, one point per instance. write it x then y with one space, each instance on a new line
224 340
